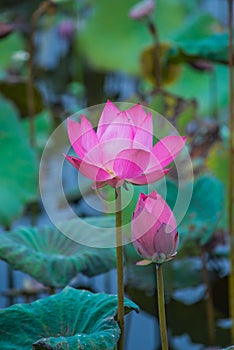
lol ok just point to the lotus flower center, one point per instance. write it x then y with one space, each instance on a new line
111 172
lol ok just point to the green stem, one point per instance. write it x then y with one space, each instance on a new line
120 268
231 167
161 307
209 301
30 82
153 31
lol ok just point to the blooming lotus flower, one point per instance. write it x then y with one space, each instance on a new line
122 148
154 231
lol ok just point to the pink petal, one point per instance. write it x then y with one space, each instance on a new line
109 113
137 114
91 171
149 177
144 134
168 148
143 225
109 150
119 128
144 262
162 211
145 228
82 136
140 205
131 163
165 243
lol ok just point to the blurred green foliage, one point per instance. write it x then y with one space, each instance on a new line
18 178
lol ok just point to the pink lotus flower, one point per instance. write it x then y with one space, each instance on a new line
122 148
154 231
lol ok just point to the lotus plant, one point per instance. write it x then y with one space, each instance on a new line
121 151
155 238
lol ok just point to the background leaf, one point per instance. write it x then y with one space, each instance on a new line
201 88
18 178
204 212
213 48
120 47
52 258
8 46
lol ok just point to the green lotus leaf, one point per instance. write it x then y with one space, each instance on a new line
213 48
43 128
52 258
18 178
217 162
204 212
73 319
93 231
201 83
8 47
197 27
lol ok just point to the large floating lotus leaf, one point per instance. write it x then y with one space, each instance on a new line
52 258
204 211
71 320
18 176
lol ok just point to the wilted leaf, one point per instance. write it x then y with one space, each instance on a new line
17 93
71 320
169 71
18 177
52 258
